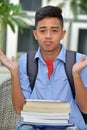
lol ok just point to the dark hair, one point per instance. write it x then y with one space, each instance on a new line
48 11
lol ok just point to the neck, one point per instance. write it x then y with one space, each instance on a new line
50 55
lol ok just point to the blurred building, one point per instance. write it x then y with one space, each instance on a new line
75 39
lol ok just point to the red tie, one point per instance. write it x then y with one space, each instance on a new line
50 67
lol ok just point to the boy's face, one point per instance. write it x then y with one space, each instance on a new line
48 33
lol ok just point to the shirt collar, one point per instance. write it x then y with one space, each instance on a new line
61 55
38 54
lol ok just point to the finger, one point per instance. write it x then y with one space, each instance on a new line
1 53
2 56
83 57
13 58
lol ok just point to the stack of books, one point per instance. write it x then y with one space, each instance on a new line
45 112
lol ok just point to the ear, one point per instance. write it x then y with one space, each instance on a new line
63 34
35 34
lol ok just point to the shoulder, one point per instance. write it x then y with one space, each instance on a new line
22 57
22 60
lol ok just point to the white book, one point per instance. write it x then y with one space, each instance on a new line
39 100
44 121
44 115
46 106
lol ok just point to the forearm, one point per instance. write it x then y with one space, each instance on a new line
17 95
81 92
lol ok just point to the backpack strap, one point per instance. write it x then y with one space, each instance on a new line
70 61
32 68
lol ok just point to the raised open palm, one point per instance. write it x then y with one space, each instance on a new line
11 64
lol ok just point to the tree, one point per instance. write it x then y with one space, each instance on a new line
11 14
76 7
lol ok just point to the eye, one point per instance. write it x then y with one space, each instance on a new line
54 30
42 31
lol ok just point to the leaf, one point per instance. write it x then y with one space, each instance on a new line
4 2
61 4
83 6
74 8
48 1
21 24
10 23
21 14
16 8
12 14
3 23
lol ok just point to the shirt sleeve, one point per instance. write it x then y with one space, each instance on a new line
24 79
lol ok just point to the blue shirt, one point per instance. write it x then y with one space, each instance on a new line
55 88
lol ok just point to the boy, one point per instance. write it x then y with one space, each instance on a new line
51 81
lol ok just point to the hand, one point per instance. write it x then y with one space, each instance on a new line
80 65
11 64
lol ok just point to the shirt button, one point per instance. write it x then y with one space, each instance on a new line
46 71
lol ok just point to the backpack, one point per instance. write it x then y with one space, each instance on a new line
32 69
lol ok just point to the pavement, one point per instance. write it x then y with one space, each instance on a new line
4 74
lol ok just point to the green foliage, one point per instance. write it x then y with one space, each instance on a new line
77 5
48 1
74 8
83 5
61 4
11 14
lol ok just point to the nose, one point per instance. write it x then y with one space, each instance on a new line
48 34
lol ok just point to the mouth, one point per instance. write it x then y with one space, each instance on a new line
48 43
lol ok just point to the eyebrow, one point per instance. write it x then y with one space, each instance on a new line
52 27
